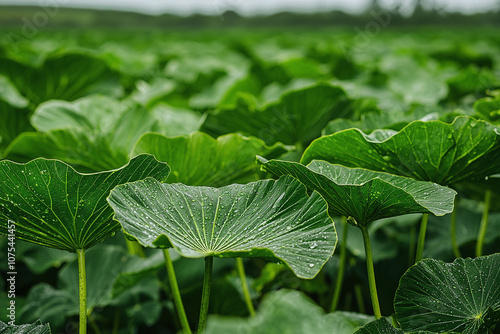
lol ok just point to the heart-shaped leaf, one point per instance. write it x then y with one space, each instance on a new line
35 328
366 195
200 160
297 117
275 220
291 312
52 205
430 151
463 296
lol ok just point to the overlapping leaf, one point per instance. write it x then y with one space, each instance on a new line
113 275
200 160
66 77
53 205
462 297
430 151
274 220
489 107
96 132
297 117
290 312
366 195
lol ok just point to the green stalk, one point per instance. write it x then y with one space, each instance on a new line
484 223
340 273
411 252
205 296
421 238
134 248
359 298
82 287
371 273
174 287
94 325
246 292
454 244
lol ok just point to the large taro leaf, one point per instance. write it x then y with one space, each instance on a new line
430 151
296 118
95 132
53 205
66 77
200 160
291 312
35 328
275 220
366 195
463 296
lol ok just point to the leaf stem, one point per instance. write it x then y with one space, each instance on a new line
82 287
359 298
421 237
205 296
453 230
134 248
174 287
371 272
411 252
484 223
340 272
246 292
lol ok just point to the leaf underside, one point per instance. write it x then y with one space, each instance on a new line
366 195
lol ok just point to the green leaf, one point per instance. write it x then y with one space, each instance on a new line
36 328
200 160
414 82
366 195
463 296
66 77
110 278
55 206
297 117
96 132
291 312
471 80
14 121
430 151
489 107
274 220
39 259
468 221
9 94
379 326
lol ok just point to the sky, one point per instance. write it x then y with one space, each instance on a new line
246 7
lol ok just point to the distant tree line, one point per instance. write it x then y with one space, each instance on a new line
422 13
